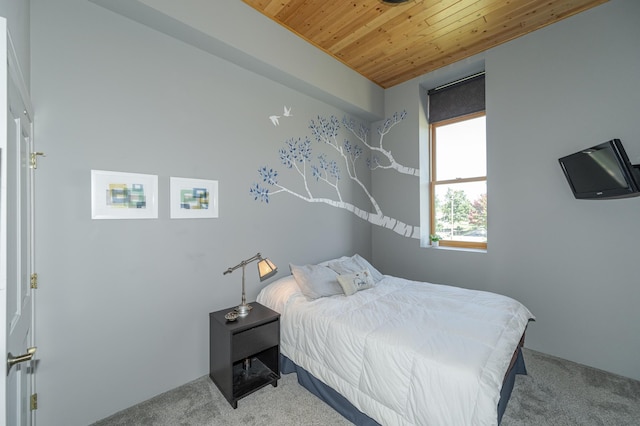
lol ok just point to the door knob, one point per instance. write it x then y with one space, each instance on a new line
11 360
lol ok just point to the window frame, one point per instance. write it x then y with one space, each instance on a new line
433 183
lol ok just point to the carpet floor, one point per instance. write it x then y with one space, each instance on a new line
555 392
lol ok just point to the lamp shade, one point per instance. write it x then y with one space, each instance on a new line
266 269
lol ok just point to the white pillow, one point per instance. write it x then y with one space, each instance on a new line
354 264
339 259
316 281
277 294
351 283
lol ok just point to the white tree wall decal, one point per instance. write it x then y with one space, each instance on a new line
297 156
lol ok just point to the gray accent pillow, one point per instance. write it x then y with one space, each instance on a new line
355 264
351 283
316 281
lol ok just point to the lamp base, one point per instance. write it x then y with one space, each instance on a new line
243 310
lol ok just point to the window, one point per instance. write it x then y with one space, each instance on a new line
459 181
458 164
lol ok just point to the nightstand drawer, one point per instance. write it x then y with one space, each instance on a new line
254 340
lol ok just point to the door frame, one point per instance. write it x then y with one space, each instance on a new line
11 70
4 96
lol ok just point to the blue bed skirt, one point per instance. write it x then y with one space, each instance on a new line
357 417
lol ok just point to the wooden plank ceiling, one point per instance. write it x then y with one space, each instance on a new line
390 44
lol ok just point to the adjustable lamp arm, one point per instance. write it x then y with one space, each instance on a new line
266 269
243 263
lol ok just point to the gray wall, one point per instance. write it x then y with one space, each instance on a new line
573 263
228 29
123 305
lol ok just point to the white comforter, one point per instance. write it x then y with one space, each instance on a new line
405 352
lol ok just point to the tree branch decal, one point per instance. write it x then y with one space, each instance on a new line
297 156
361 132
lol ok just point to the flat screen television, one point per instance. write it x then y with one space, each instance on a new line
601 172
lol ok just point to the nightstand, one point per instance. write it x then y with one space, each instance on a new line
244 355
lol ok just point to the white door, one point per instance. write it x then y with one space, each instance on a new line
16 227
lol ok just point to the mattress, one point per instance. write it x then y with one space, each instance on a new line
404 352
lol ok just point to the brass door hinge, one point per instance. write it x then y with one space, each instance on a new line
34 280
34 159
34 401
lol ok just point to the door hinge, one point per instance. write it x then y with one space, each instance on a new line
34 280
34 159
34 401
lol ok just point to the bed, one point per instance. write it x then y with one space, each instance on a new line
386 350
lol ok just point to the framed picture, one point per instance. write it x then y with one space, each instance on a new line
193 198
117 195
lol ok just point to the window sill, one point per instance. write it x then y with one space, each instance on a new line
465 249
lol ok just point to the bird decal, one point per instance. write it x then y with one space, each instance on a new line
274 119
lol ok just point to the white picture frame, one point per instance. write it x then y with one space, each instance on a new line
193 198
121 195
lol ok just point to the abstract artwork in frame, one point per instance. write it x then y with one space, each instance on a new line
118 195
193 198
